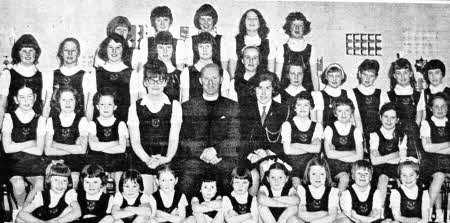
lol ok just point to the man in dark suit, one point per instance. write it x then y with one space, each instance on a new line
210 129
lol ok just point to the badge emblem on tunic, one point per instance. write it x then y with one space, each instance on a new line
441 131
90 205
65 133
369 100
316 204
107 132
343 140
410 205
66 81
26 131
364 208
303 137
155 123
389 146
405 101
114 76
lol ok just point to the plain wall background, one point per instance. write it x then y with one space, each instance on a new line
404 26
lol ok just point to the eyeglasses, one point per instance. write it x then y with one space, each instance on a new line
155 81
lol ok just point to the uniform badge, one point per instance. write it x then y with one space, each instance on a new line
155 123
26 131
343 140
65 133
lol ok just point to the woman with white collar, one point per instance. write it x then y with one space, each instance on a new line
25 55
70 74
116 75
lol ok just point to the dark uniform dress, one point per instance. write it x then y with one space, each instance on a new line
160 204
315 205
411 208
406 113
264 50
298 162
362 207
45 212
328 103
109 162
241 208
154 129
211 214
22 163
436 162
172 89
277 211
386 147
68 135
195 87
119 82
93 207
62 81
341 143
125 204
429 97
216 55
368 106
17 81
301 57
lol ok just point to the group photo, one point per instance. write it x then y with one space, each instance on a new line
233 111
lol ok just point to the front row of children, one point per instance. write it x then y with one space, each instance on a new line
315 200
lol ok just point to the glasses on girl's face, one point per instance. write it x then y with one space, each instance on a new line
155 81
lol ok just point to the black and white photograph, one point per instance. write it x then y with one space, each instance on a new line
224 111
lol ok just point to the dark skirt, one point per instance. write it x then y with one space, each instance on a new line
109 162
298 163
337 166
26 165
75 162
141 166
389 170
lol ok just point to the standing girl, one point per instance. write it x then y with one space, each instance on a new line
23 141
169 201
205 20
70 75
434 73
409 203
239 205
131 204
333 76
343 143
25 55
297 49
190 84
118 76
253 31
164 48
296 73
161 19
67 134
319 201
301 137
108 136
277 199
154 124
57 203
411 102
119 25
